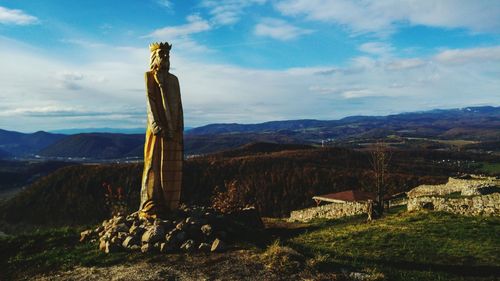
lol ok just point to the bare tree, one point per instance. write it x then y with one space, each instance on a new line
380 158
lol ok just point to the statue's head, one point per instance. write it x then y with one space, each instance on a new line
160 56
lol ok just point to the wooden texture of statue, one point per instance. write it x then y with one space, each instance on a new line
163 149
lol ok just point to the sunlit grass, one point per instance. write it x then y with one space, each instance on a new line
430 245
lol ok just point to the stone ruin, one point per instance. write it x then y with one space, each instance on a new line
187 230
467 186
473 196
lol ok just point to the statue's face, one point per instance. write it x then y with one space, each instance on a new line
163 59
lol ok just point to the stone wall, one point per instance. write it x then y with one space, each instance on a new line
329 211
466 187
482 205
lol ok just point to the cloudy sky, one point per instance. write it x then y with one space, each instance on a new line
81 64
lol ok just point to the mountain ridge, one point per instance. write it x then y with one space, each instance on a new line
469 123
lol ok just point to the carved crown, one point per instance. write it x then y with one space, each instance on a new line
160 45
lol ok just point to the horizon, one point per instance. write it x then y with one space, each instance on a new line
81 65
119 130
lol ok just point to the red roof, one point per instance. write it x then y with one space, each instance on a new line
348 195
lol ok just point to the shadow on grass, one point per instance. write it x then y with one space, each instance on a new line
458 269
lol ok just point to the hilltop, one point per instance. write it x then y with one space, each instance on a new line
402 246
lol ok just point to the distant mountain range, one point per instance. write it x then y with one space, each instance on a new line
96 145
17 144
75 131
471 123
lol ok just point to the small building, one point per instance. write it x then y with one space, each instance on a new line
346 196
340 204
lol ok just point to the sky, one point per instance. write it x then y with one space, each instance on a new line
80 64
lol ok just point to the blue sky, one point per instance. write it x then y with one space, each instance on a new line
80 64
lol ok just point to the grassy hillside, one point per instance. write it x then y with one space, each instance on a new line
401 246
409 246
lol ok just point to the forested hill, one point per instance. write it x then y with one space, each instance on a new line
472 124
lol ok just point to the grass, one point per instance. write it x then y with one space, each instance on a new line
400 246
490 168
51 249
410 246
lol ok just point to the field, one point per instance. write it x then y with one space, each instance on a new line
401 246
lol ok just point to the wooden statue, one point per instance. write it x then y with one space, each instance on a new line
163 150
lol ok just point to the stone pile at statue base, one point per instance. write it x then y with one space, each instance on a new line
189 229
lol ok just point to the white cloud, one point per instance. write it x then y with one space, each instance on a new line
400 64
473 55
180 36
195 24
114 95
106 82
384 16
279 29
226 12
358 93
377 48
17 17
82 43
70 80
165 4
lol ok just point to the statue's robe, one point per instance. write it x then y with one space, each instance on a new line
162 175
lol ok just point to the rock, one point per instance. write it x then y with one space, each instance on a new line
163 247
122 227
84 235
138 231
180 237
166 224
111 247
146 248
133 228
167 247
102 245
218 246
188 246
130 241
189 229
116 240
153 234
106 236
134 215
122 235
194 232
181 225
359 276
204 247
206 229
249 217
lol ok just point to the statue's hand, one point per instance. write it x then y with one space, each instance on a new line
157 129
